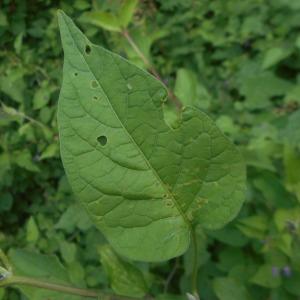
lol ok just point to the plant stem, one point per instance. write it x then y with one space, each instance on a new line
195 265
19 280
15 112
171 275
150 67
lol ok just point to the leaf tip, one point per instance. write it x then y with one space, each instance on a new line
61 16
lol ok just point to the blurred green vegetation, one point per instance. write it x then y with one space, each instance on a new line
238 60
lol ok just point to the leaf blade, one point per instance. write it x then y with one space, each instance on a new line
136 176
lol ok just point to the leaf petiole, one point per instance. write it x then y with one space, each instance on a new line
195 265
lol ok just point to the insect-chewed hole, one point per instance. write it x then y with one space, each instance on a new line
75 74
102 139
88 49
94 84
95 98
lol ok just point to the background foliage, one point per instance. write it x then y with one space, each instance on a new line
238 60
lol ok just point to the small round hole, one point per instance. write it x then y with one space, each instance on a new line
88 49
94 84
75 74
95 98
102 139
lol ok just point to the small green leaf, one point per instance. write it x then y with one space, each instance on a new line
24 160
273 56
102 19
13 84
227 288
229 235
32 231
284 218
127 11
42 96
253 226
73 217
124 277
267 276
259 88
144 184
51 151
190 91
68 251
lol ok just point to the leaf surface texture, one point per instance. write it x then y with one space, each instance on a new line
143 183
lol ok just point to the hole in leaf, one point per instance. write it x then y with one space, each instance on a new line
94 84
75 74
102 139
88 49
95 98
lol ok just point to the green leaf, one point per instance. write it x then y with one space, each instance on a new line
143 184
24 160
227 288
68 251
102 19
13 84
42 96
229 235
285 217
73 217
51 151
229 258
293 95
272 189
124 277
259 88
189 89
32 264
291 133
227 125
32 231
254 226
266 277
127 11
273 56
112 21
